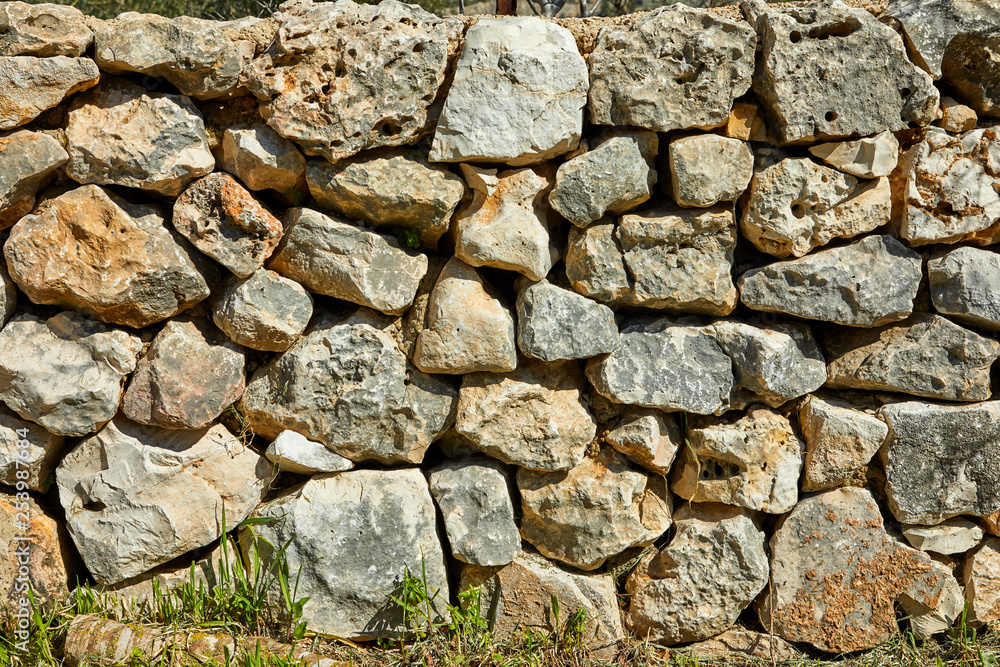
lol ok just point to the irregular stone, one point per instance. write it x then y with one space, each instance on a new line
49 555
537 85
262 159
697 586
674 68
392 530
947 190
838 574
90 250
195 55
970 67
929 27
796 205
992 523
595 265
389 187
339 79
137 496
225 222
508 223
865 283
297 454
940 618
35 460
745 123
478 512
741 642
8 295
868 157
706 169
660 364
940 460
554 324
982 582
263 312
332 257
30 85
649 438
468 326
348 386
753 462
963 284
614 176
954 536
44 29
956 118
78 387
533 417
27 159
830 71
841 438
925 355
190 374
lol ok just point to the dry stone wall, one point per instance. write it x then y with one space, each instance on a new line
516 302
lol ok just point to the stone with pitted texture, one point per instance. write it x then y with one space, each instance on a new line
965 283
262 159
554 323
870 157
27 160
648 437
43 29
298 454
263 312
30 85
842 436
706 169
982 582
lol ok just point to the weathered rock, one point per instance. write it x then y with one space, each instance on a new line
671 69
940 460
92 251
829 71
349 387
508 223
841 438
706 169
992 523
43 29
30 85
137 496
964 284
740 642
753 462
478 513
225 222
339 79
869 157
468 326
46 558
616 175
866 283
697 586
837 575
970 67
554 323
536 82
648 437
65 373
926 621
332 257
796 205
956 118
929 27
954 536
389 187
925 355
262 159
533 417
190 374
982 582
595 264
27 159
392 530
8 295
27 448
159 142
263 312
298 454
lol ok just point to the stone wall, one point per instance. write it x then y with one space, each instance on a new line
714 292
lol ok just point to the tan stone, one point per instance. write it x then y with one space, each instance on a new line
29 85
982 582
742 642
841 438
27 160
43 29
746 123
40 546
992 522
595 265
706 169
870 157
955 117
262 159
648 437
28 449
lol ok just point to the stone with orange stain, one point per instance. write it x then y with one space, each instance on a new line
27 160
30 85
47 556
982 581
993 523
44 29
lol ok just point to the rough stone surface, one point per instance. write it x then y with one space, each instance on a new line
478 513
92 251
262 159
43 29
298 454
940 460
929 27
956 118
925 622
698 585
159 142
50 559
468 326
982 582
554 324
392 528
389 187
332 257
595 265
648 437
263 312
870 157
79 386
866 283
925 355
35 461
674 68
27 159
752 462
706 169
970 67
30 85
841 438
796 205
342 78
964 284
596 510
533 417
740 642
614 176
829 71
8 295
992 523
137 496
954 536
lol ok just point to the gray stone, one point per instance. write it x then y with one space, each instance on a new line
474 499
648 437
35 460
954 536
965 283
43 29
866 283
27 159
925 620
706 169
595 265
930 26
554 323
982 582
8 295
970 68
298 454
841 439
869 157
671 69
263 312
262 159
30 85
